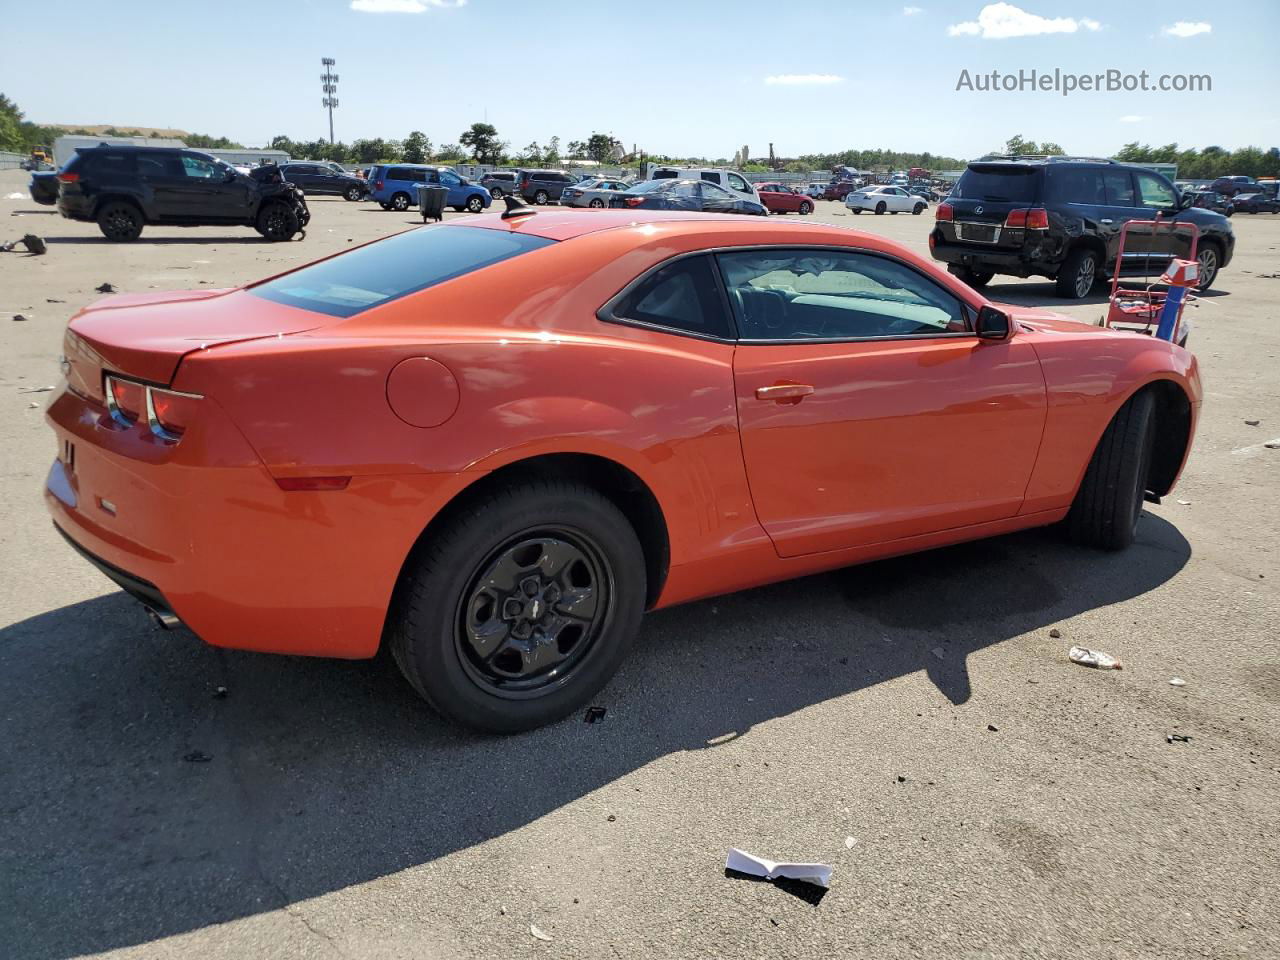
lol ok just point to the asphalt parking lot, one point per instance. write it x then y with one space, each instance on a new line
913 723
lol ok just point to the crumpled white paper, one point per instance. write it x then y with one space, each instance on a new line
818 874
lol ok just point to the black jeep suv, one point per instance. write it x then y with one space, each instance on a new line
1060 217
123 188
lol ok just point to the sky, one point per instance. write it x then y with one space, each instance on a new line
688 78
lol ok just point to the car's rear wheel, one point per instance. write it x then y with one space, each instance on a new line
806 208
496 193
880 207
474 203
596 202
541 197
120 222
1209 262
400 201
353 193
918 209
521 608
1077 275
1108 504
855 210
277 222
974 278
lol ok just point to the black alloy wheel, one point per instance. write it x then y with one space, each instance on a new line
277 222
120 222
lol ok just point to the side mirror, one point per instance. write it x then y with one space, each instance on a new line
229 174
993 324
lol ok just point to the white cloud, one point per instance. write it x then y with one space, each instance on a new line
1131 118
912 11
803 79
1187 28
999 21
402 6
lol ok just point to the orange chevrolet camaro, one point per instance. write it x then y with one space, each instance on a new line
493 443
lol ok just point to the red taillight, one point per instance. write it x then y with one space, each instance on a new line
172 412
1033 218
377 184
633 201
128 398
68 177
944 212
312 483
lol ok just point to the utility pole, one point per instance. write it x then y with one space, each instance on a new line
329 80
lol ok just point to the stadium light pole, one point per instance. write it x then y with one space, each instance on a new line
329 80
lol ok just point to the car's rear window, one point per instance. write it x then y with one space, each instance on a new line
1013 184
396 267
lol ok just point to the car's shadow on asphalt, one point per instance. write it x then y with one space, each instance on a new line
145 241
1042 295
312 775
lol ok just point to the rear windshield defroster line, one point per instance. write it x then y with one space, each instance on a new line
396 267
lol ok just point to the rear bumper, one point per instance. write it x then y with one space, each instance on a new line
145 592
983 257
201 531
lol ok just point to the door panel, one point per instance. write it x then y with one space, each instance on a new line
897 437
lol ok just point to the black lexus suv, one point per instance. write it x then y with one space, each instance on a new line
122 188
1060 217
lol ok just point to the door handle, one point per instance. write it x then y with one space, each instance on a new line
1106 220
782 392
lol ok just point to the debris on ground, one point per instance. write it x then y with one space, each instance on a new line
594 714
1185 503
611 818
1177 738
38 389
1055 633
1252 423
901 778
993 728
1094 658
53 300
849 842
539 934
818 874
15 196
937 652
196 756
19 318
1272 444
220 693
1177 682
105 288
32 405
34 244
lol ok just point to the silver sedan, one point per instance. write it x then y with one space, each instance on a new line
592 193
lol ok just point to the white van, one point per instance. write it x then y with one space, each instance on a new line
729 179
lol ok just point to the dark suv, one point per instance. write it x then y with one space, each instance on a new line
320 178
543 186
1060 218
123 188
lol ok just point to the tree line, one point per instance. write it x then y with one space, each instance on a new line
481 143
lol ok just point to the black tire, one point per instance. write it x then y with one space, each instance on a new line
474 204
1210 260
806 208
401 201
353 194
384 206
277 222
880 208
451 589
541 198
120 221
496 193
1078 274
974 278
1108 504
856 211
596 202
918 209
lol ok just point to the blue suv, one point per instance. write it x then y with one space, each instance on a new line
395 187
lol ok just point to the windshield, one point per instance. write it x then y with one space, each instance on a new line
1012 184
389 269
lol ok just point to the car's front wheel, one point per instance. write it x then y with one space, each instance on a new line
806 208
918 209
1078 274
880 207
1108 504
120 222
277 222
475 203
521 607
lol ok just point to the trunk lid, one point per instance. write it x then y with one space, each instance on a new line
145 336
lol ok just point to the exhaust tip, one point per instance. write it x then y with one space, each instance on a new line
164 619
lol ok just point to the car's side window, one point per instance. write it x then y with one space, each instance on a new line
449 179
711 191
806 294
1119 187
737 183
685 190
710 176
1154 193
199 167
682 295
